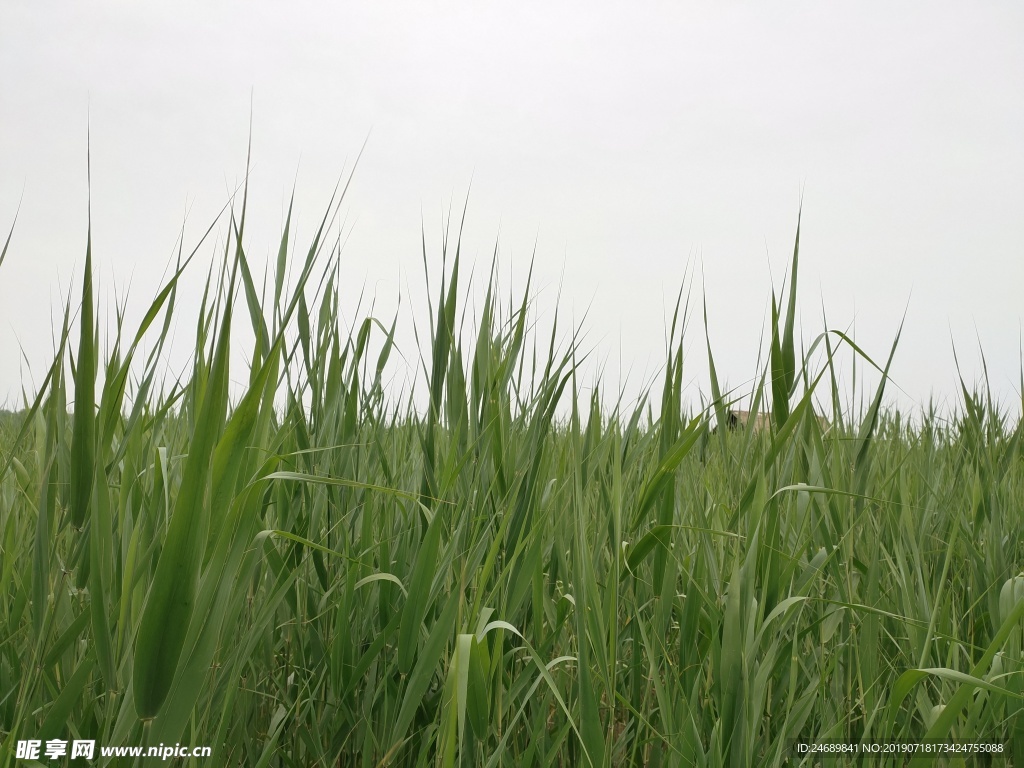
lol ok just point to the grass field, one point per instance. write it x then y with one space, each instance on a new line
500 571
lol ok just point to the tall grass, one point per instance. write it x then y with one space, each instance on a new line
318 572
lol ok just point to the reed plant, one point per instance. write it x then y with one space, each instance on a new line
496 569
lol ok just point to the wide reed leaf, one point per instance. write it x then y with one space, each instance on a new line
169 606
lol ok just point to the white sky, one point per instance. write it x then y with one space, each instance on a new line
626 142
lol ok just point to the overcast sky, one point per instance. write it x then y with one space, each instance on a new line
628 142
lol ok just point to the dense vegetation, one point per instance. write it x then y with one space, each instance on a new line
504 571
